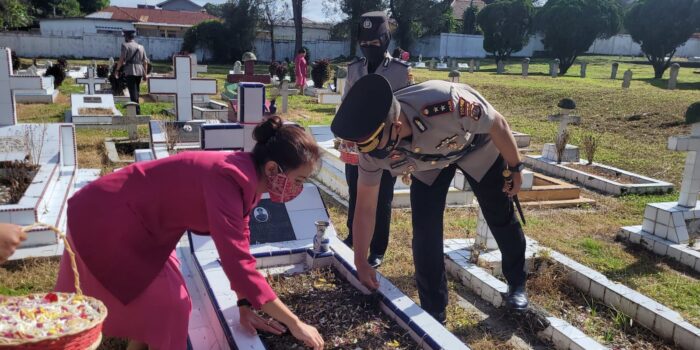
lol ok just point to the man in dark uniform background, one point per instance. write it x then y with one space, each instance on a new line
423 133
373 37
135 62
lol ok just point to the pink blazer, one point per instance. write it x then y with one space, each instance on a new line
125 225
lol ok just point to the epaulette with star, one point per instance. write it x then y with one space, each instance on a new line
362 60
434 109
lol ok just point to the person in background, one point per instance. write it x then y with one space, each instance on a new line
300 70
126 254
373 37
405 56
11 236
135 62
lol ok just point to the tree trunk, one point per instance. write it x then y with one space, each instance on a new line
298 30
272 42
659 69
565 63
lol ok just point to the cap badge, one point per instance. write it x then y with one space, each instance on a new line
367 24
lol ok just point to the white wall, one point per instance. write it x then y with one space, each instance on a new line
285 48
309 34
79 26
86 46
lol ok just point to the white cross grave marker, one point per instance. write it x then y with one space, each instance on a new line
196 68
10 83
183 86
91 81
564 122
691 175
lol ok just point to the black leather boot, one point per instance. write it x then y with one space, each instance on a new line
516 298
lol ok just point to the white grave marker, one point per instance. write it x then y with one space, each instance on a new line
8 85
183 86
196 68
691 175
91 81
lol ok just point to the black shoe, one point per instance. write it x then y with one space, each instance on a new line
516 298
348 242
441 317
375 260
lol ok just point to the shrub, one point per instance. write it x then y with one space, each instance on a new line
58 73
590 146
102 70
320 73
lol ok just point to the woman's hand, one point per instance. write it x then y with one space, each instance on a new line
10 237
251 322
307 334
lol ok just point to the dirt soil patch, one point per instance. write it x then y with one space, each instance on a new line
604 173
95 111
15 178
549 288
126 148
346 318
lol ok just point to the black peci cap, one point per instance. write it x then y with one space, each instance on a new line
372 26
365 107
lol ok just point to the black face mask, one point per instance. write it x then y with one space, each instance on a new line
374 55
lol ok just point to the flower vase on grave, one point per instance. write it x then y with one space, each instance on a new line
273 108
321 240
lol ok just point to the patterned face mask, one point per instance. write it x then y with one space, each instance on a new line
281 189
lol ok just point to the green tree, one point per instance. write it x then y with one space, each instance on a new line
68 8
14 14
90 6
506 25
273 13
353 9
214 10
241 18
210 36
660 27
469 20
571 26
54 8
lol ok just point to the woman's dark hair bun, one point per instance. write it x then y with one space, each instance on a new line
267 129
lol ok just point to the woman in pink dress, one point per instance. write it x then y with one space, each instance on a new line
300 70
124 228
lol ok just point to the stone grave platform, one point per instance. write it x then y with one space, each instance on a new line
92 110
57 178
175 136
46 94
332 175
281 239
629 183
482 274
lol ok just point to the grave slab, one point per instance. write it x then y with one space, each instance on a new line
92 110
45 94
278 254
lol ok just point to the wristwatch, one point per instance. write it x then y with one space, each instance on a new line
243 302
517 168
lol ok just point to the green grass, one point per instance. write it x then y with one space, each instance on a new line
586 235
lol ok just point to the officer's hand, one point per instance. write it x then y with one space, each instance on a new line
367 274
512 188
10 238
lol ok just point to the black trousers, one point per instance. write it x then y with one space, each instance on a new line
133 84
428 209
380 239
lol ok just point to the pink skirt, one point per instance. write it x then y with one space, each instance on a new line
158 317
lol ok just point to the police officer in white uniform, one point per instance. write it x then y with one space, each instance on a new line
423 133
373 36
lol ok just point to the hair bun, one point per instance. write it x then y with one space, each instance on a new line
267 129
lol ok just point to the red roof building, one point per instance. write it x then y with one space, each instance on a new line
154 22
459 6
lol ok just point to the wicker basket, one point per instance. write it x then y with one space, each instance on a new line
80 339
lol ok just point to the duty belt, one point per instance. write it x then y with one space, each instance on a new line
477 142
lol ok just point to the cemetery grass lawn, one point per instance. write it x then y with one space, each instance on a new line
586 234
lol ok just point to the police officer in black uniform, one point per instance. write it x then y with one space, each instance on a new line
423 133
373 36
